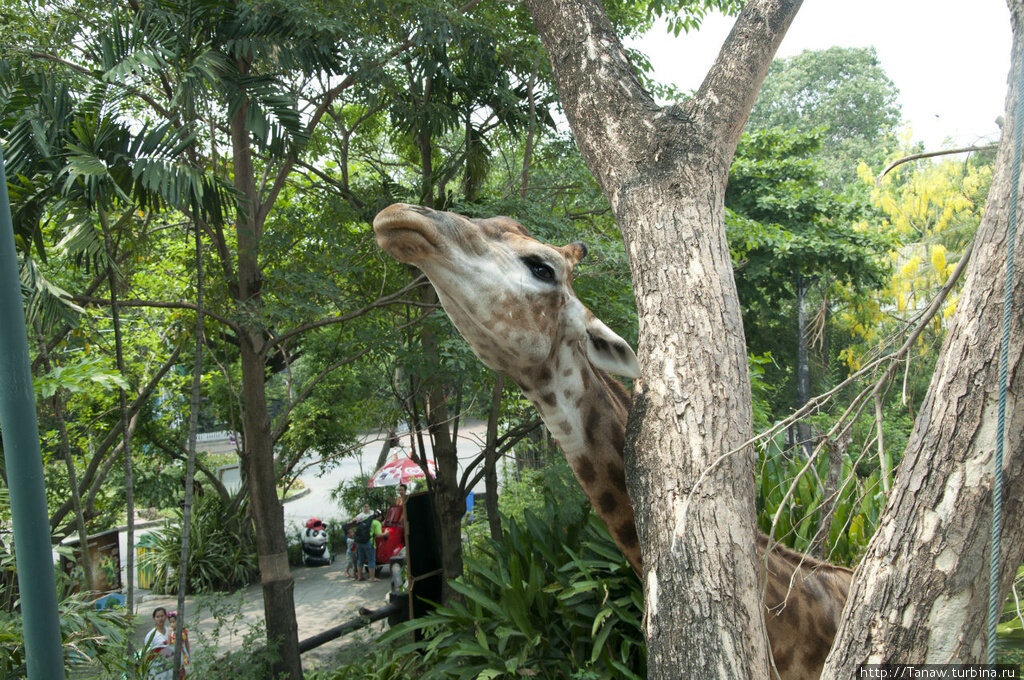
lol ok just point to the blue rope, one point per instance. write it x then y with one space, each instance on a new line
994 605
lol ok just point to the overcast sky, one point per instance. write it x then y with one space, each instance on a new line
948 58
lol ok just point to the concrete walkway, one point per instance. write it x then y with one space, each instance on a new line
324 598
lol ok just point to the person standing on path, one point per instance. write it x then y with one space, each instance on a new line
157 637
186 651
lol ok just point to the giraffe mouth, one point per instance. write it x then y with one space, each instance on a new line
406 232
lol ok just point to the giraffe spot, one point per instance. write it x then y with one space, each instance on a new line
783 658
775 594
585 471
567 394
591 425
567 373
618 439
617 476
817 651
565 426
544 375
549 398
625 534
607 502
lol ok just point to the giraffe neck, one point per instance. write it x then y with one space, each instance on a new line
585 410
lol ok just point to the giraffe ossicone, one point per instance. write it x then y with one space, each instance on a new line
511 298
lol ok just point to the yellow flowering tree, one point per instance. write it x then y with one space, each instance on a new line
932 210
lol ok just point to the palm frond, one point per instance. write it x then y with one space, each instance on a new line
45 301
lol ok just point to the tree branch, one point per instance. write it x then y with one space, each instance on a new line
930 154
379 302
88 300
733 81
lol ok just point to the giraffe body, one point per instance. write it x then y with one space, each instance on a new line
511 298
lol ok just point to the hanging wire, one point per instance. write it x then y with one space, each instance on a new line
994 605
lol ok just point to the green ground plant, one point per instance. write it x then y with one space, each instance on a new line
855 504
552 598
222 553
93 640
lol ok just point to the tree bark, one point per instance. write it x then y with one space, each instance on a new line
258 458
129 484
920 595
803 364
190 464
491 460
69 461
449 499
664 171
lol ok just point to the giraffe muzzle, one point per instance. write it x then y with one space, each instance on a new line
407 232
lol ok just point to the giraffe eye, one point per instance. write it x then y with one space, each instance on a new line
540 269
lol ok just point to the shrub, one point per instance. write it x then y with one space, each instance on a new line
222 553
351 495
376 663
89 638
553 598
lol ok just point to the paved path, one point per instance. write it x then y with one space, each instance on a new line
324 598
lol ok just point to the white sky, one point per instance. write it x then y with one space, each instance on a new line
948 58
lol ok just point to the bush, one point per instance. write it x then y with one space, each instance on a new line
89 638
553 598
351 495
855 512
377 663
222 552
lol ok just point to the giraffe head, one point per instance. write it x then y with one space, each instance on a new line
509 295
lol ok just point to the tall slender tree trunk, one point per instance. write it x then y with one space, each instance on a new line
449 500
190 465
491 460
920 595
69 462
803 363
258 460
129 483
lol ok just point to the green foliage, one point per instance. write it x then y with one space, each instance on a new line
352 493
1010 630
554 597
90 638
842 91
760 390
855 507
790 224
80 376
222 554
378 663
791 237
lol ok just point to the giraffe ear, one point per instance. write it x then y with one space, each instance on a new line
607 351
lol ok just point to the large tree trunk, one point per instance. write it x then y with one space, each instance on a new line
921 593
664 171
267 512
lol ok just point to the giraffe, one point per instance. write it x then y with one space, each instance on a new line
511 298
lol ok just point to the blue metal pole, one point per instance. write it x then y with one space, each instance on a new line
24 461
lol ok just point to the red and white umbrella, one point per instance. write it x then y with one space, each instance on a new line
399 471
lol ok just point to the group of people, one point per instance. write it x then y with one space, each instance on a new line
161 639
362 539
